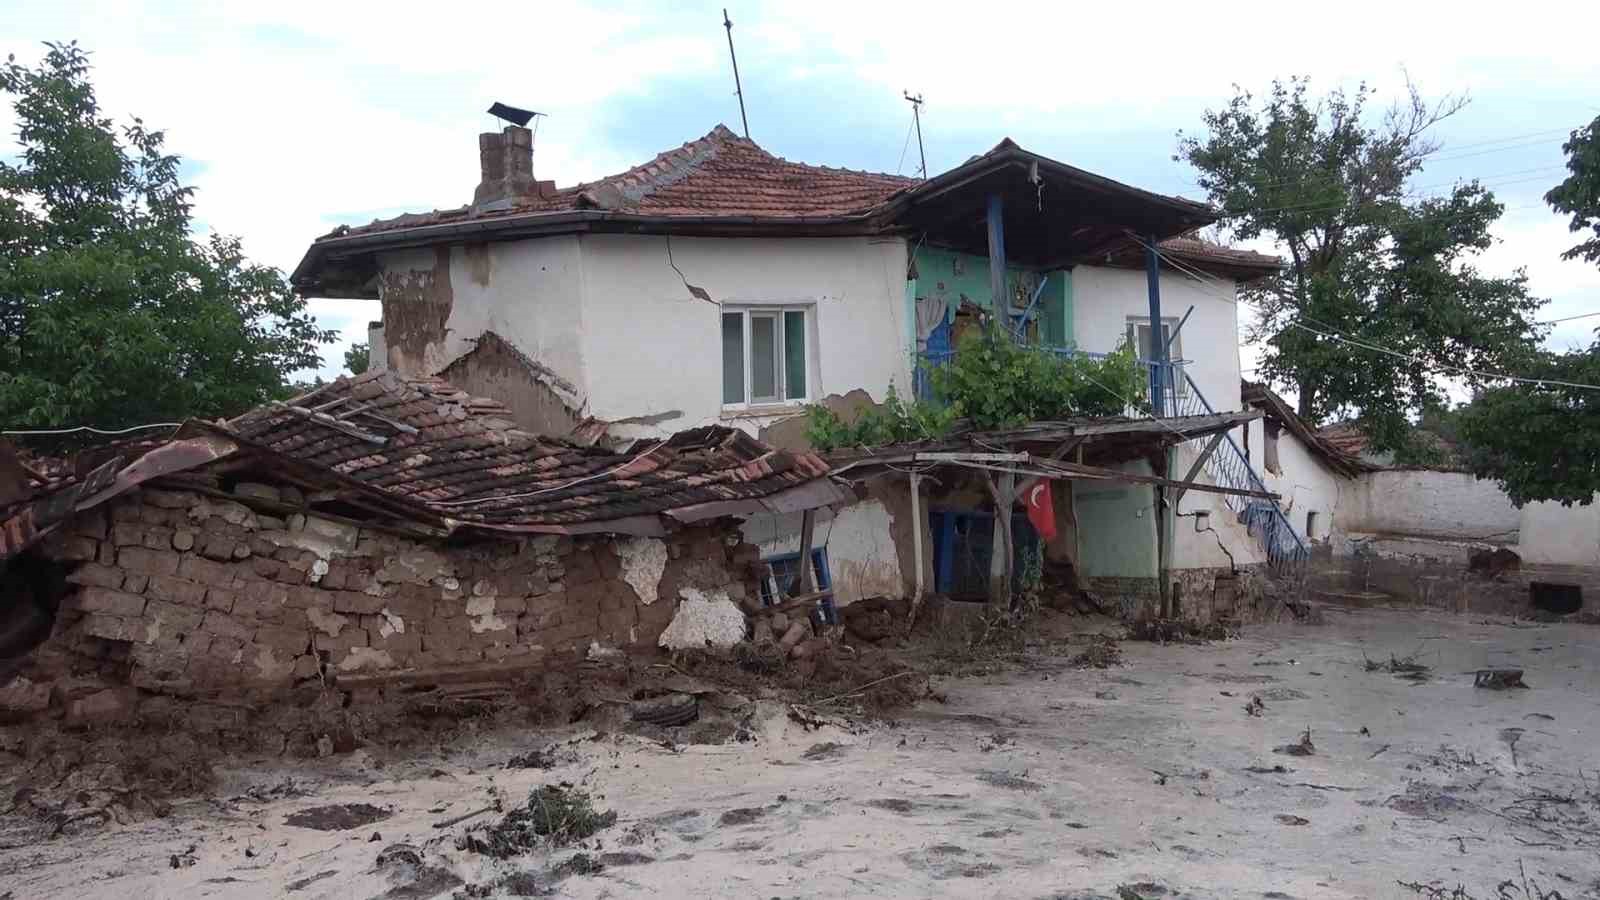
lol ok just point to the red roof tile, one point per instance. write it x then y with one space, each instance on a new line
720 174
1193 248
462 459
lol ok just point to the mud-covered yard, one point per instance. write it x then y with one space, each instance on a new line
1173 774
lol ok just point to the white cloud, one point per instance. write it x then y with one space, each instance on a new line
301 112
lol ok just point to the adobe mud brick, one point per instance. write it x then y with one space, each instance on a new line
262 600
168 619
95 599
113 628
157 537
96 575
75 548
290 641
336 644
205 571
176 590
220 599
356 602
395 643
127 534
150 562
223 625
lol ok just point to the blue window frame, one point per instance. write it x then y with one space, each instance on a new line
786 569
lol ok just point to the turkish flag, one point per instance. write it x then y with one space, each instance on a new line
1041 511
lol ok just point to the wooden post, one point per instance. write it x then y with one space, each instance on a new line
1163 538
918 525
1158 347
1001 547
997 260
808 578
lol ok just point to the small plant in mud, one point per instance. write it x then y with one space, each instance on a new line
555 815
579 864
1102 653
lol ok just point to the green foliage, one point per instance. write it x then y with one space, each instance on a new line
1539 441
110 312
892 422
1579 195
993 383
357 358
1366 260
555 815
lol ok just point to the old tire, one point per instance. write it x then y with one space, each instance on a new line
670 711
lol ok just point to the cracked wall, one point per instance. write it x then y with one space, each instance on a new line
178 592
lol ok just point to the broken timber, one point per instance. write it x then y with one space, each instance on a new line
1043 467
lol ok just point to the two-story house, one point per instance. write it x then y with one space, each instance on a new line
718 283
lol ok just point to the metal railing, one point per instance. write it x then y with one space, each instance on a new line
1229 467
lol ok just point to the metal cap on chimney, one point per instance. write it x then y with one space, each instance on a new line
505 162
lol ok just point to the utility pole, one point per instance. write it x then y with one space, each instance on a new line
916 117
737 88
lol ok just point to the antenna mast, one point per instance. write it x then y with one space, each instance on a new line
737 88
916 117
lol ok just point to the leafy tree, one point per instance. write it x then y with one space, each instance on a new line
1367 259
1579 195
1541 441
110 312
357 358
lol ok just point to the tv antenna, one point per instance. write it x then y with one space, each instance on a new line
916 118
738 90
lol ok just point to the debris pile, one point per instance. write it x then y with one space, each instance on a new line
1103 652
555 815
1177 631
1405 667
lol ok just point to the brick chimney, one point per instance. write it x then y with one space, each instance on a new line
506 163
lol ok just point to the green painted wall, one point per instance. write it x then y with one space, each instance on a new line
1116 526
952 275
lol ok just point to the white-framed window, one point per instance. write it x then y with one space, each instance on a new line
1139 338
766 355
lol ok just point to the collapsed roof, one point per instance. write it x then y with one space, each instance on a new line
421 456
725 185
1335 453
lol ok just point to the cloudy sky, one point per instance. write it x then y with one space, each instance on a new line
295 117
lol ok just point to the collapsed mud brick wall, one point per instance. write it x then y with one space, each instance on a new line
179 592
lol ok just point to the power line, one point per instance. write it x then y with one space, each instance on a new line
1333 334
1430 157
1457 369
1568 318
94 430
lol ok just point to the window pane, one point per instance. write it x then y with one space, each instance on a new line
763 357
794 355
732 357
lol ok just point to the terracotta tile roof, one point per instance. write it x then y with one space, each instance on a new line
720 174
1194 248
1333 453
1347 436
462 459
1352 439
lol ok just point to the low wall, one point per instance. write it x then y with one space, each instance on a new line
180 592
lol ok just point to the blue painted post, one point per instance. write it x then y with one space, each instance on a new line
1158 347
997 260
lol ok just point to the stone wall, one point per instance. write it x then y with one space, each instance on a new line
181 592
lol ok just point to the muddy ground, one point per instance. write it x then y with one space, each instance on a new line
1182 772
